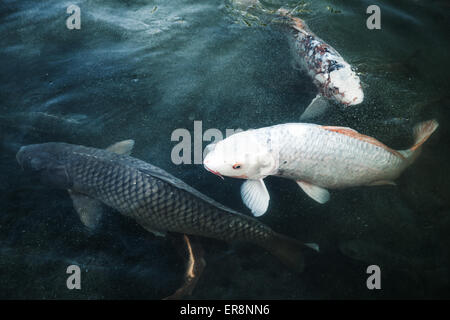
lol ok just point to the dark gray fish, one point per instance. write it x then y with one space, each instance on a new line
158 201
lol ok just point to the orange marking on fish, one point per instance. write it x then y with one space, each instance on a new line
322 48
214 172
356 135
426 127
298 24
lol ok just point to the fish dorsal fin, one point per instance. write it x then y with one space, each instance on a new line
89 209
123 147
356 135
319 194
342 130
255 196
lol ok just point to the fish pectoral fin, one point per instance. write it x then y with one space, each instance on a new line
317 107
312 245
157 233
319 194
123 147
89 210
255 196
382 183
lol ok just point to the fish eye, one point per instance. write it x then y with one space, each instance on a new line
236 166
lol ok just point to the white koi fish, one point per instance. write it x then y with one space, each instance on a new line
332 75
316 157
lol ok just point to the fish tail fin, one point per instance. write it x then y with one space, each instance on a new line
295 22
288 250
283 12
422 131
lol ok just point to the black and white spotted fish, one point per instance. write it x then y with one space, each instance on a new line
332 75
158 201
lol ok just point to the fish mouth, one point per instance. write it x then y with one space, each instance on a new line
241 177
214 172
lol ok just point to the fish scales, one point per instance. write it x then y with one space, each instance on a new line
311 153
155 199
119 182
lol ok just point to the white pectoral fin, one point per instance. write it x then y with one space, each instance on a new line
313 245
255 196
156 233
317 107
123 147
319 194
89 210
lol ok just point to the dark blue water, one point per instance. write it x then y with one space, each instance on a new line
141 69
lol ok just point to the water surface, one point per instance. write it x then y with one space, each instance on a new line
141 69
